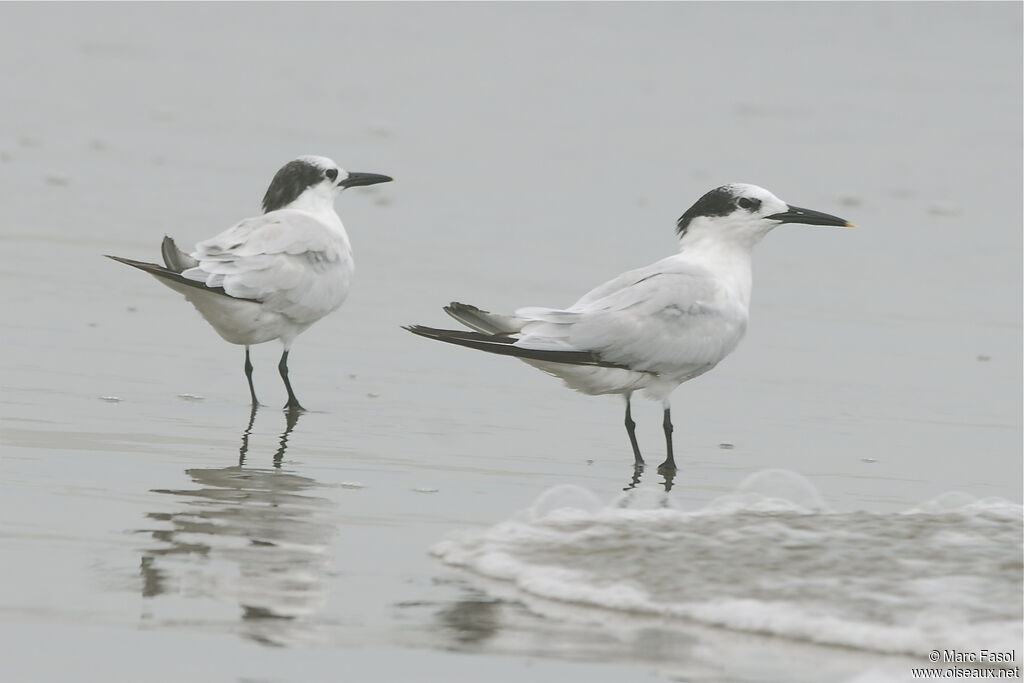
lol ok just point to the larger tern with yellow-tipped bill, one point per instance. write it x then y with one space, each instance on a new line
653 328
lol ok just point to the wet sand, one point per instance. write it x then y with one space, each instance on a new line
148 528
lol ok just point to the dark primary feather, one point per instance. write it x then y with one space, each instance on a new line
502 345
167 274
464 335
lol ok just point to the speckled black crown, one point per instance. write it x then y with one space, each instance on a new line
289 182
717 202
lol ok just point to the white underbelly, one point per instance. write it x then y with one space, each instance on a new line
593 380
239 321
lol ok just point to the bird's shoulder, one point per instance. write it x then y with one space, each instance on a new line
674 274
675 316
285 231
636 305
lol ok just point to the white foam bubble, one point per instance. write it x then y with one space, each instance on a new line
958 502
771 490
771 558
567 498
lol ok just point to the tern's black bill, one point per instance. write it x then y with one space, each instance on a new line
795 214
355 179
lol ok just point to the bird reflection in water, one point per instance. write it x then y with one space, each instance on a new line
470 622
245 536
668 478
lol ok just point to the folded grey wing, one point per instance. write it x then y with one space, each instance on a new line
661 322
278 259
623 281
174 280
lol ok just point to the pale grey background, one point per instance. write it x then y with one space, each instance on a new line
537 150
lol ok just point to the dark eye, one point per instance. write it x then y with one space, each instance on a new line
332 174
749 204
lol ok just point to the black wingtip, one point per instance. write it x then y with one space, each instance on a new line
431 332
419 330
167 274
126 261
132 262
504 345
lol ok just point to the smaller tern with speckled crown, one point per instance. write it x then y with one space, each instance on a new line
652 328
271 276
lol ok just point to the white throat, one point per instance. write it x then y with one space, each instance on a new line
728 256
318 199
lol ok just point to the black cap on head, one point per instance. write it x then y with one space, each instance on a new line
289 182
717 202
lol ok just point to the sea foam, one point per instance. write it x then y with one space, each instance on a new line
771 558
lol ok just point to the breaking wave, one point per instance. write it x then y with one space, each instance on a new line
772 558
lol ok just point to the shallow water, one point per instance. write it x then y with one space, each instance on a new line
152 527
944 574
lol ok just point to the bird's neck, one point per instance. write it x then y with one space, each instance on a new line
320 206
318 201
729 260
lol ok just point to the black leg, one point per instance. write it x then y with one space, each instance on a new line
638 472
248 376
638 460
243 450
282 367
670 477
291 418
670 462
